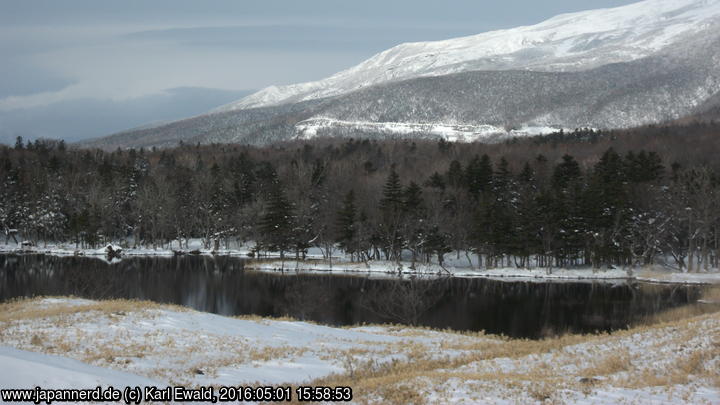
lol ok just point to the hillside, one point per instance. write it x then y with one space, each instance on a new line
651 62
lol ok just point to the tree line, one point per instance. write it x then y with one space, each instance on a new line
525 203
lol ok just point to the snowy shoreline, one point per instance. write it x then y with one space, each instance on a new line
315 263
508 274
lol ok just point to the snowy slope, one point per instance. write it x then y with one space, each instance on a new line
171 344
568 42
23 369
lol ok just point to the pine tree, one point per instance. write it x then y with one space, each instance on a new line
412 203
392 199
643 167
501 207
526 223
277 224
219 195
391 206
480 231
47 219
436 181
478 176
437 243
567 171
414 219
527 175
244 179
606 208
455 174
567 208
346 229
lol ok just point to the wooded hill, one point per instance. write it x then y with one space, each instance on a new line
584 198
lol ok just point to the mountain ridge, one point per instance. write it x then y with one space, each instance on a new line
486 105
566 42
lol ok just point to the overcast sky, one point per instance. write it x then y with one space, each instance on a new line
76 69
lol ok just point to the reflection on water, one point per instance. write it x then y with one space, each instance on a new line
220 285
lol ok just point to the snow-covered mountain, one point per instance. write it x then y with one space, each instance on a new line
651 61
568 42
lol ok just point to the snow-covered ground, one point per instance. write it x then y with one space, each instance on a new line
456 265
406 268
27 369
70 249
64 342
309 129
459 269
180 346
660 275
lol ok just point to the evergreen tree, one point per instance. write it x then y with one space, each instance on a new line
436 181
622 209
567 171
437 243
391 206
414 216
527 175
346 227
277 223
502 206
412 202
525 238
478 176
481 232
392 199
643 167
569 240
455 174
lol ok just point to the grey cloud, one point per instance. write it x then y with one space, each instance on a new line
21 78
297 37
86 118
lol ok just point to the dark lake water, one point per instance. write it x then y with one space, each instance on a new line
221 285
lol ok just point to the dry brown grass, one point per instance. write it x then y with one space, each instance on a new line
61 332
266 319
680 313
540 370
36 340
543 381
613 363
389 382
27 309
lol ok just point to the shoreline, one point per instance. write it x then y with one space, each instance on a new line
316 264
507 274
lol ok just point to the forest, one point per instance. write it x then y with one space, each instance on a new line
587 198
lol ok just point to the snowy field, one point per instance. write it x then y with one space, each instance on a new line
67 342
457 265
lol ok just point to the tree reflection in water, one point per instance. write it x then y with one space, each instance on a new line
221 285
404 300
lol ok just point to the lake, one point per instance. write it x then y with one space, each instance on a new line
221 285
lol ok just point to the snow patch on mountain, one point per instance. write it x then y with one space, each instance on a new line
314 127
568 42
